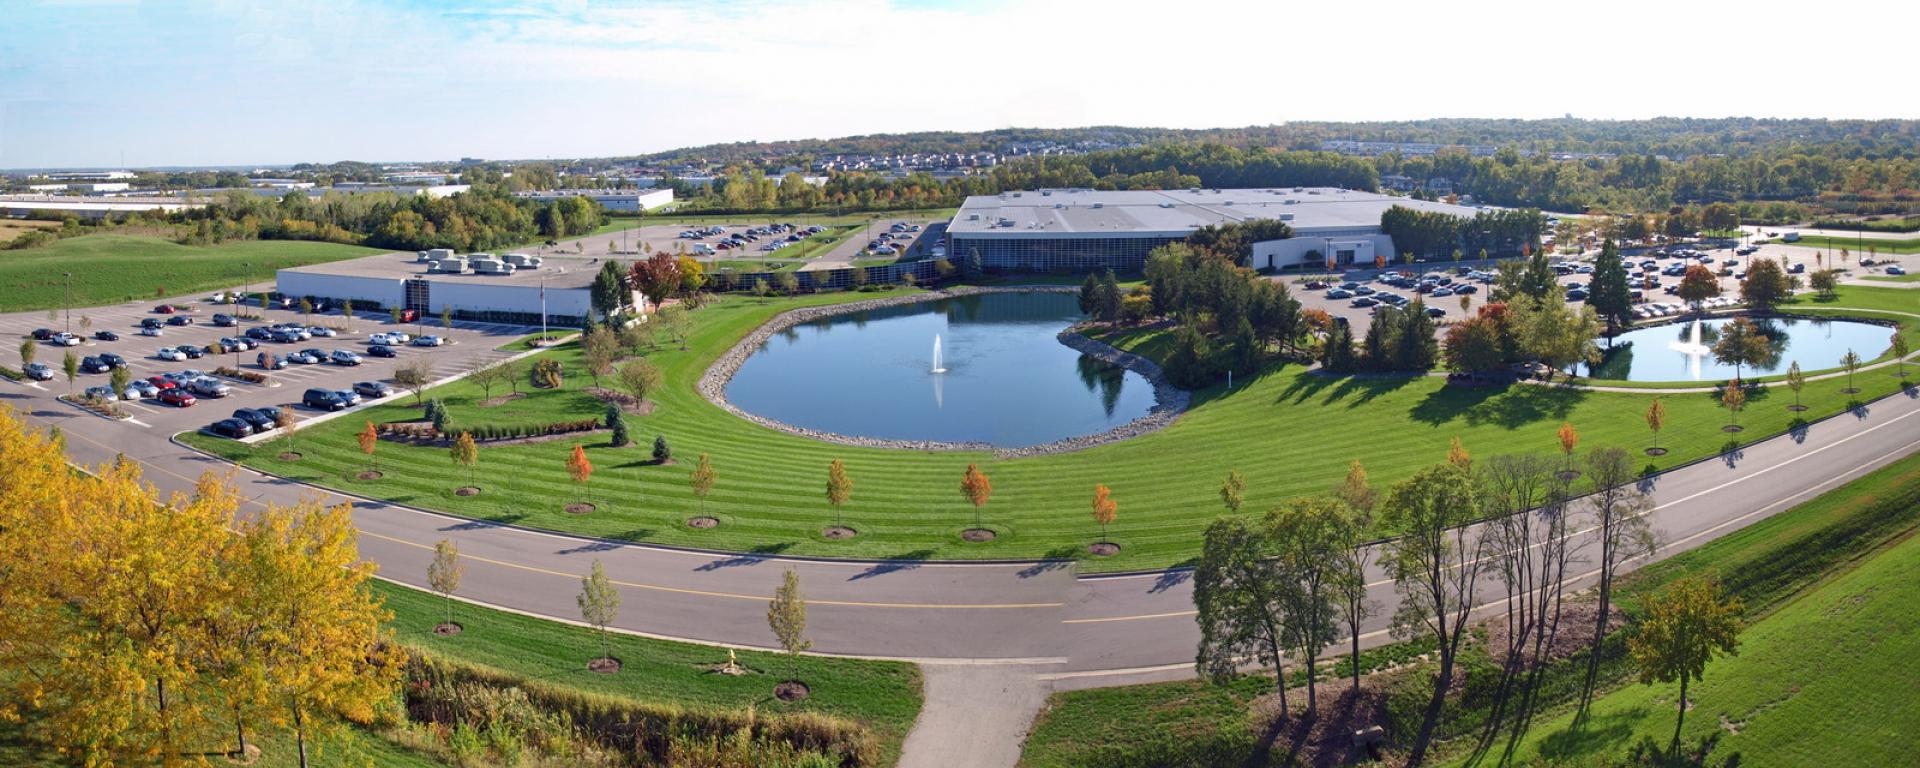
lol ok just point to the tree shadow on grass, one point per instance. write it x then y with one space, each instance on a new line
1650 754
905 561
1602 734
1510 407
1055 559
755 556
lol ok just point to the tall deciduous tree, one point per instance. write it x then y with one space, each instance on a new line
1240 602
599 603
787 619
598 349
1766 286
1698 285
444 572
1734 397
1687 624
639 378
977 488
657 277
1619 507
414 376
1435 564
1740 344
1309 537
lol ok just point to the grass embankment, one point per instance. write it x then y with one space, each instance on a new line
12 228
1783 567
907 503
1859 247
881 694
110 269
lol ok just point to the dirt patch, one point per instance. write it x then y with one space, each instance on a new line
466 491
247 756
703 522
501 400
978 535
1575 631
1656 451
371 474
580 508
448 629
1103 549
838 532
290 456
605 665
791 690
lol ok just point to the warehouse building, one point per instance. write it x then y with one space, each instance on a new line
1083 229
508 288
618 200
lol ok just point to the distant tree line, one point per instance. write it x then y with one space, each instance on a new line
1496 232
480 219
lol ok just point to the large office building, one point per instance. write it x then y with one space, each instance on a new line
508 288
620 200
1083 229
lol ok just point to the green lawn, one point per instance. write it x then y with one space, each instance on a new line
906 503
883 694
1772 563
1829 678
110 269
1907 278
1859 247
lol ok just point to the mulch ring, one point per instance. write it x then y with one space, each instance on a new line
290 456
1656 451
466 491
626 401
1568 474
1730 428
978 534
580 508
448 629
791 690
838 532
501 400
1103 549
604 665
371 474
703 522
1796 408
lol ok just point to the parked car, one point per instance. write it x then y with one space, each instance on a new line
161 383
39 372
1436 312
178 398
170 353
344 357
224 320
106 336
321 331
1365 301
372 389
65 340
260 422
258 334
1896 270
150 322
429 341
180 320
42 334
348 395
192 352
303 357
1339 293
270 361
233 428
208 386
91 364
151 330
141 388
1466 289
165 309
323 399
380 350
99 393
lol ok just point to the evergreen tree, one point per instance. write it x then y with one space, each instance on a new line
1416 349
1609 294
1337 356
617 421
1089 292
662 453
1383 340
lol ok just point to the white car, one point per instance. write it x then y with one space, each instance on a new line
149 331
321 331
169 353
65 340
429 341
141 388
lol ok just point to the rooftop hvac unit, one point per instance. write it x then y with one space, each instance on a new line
447 266
1166 205
973 217
1286 217
1099 205
1299 189
421 256
436 254
491 267
1291 201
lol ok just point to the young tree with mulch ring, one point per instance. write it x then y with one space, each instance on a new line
443 574
1795 381
1656 418
1104 511
599 602
787 617
839 490
1852 363
581 469
369 439
702 480
465 452
977 488
1569 440
1734 397
1900 351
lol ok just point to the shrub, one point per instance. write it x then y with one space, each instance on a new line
661 451
250 377
548 374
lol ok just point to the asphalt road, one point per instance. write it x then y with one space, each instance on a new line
1074 628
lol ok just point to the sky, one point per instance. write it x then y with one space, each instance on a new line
109 83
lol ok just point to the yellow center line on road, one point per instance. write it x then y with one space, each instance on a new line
329 497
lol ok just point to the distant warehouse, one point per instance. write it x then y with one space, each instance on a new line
619 200
1084 229
506 288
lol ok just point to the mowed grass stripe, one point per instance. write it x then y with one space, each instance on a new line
1288 431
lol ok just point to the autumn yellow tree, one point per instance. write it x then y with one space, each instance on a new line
1569 440
1734 397
1656 418
465 453
839 488
1233 490
977 488
702 480
444 573
1457 454
1104 509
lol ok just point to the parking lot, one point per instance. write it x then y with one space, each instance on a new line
469 345
1340 297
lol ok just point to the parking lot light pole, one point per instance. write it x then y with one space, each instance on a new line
68 306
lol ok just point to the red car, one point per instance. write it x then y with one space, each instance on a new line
162 382
177 398
165 309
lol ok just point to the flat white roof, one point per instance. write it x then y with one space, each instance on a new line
561 272
1173 213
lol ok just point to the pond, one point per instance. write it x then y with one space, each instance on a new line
1679 352
1007 381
